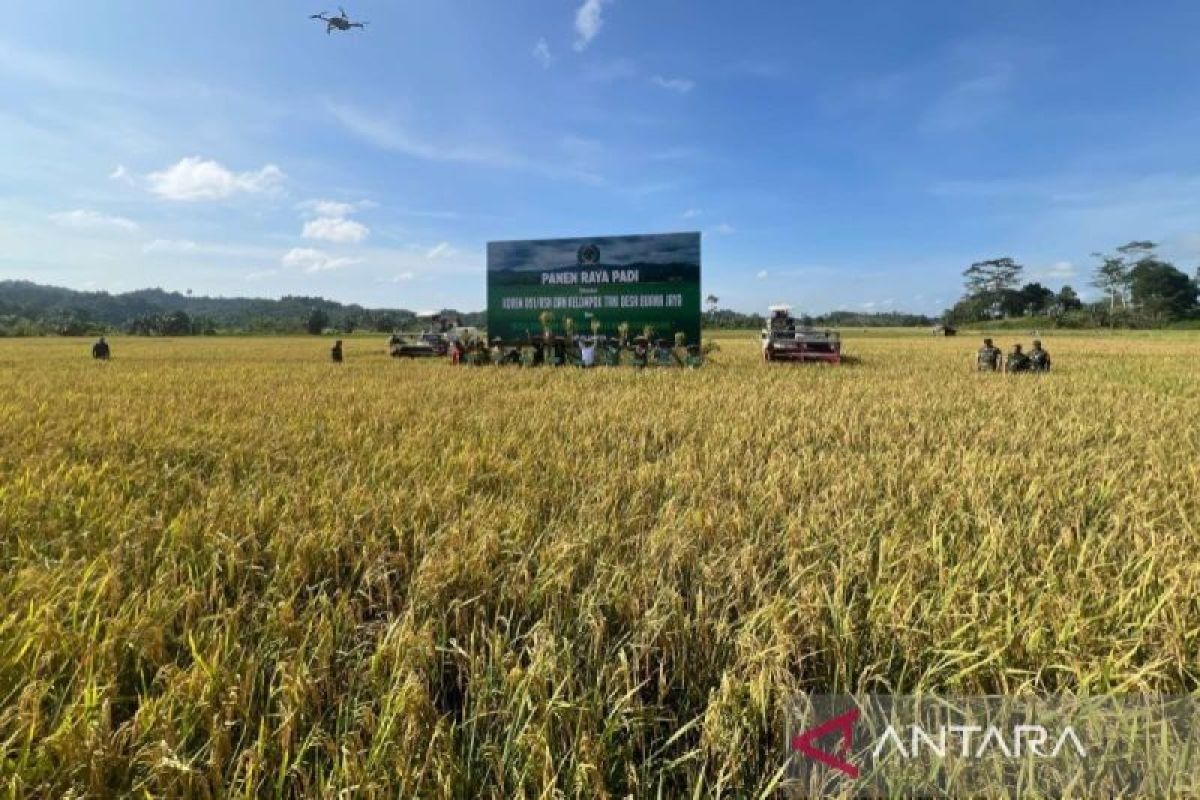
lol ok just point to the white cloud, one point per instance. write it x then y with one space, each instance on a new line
328 208
441 250
170 246
725 229
193 178
310 260
258 276
404 276
541 52
388 135
691 213
973 101
869 306
84 219
762 275
589 19
336 229
333 208
121 174
680 85
1059 269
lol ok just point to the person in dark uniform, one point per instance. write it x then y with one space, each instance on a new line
100 350
1017 361
336 352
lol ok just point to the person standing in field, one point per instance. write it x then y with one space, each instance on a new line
1017 361
587 353
1039 359
612 353
989 357
640 353
100 350
336 352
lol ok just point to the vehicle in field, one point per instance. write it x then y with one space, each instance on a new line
420 345
787 339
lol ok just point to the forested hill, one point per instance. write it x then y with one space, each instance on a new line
32 309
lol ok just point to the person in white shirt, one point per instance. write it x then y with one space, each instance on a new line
587 353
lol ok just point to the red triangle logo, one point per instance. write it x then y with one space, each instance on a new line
844 725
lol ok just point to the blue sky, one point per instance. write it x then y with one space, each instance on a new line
833 155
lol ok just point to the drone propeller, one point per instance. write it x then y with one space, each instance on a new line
344 15
319 16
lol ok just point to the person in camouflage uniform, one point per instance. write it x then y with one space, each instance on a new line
612 353
641 353
989 357
1039 359
1017 361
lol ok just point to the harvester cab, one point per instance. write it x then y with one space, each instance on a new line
786 339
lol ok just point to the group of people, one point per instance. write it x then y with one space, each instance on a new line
990 359
585 352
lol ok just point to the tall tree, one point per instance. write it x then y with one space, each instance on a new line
990 281
712 301
1112 278
1161 290
1137 250
1034 299
1068 300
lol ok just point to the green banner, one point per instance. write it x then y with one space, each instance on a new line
644 281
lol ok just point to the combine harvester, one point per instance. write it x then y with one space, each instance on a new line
786 339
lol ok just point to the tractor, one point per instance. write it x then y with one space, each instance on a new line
786 339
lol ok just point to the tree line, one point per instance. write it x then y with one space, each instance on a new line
30 309
716 317
1139 288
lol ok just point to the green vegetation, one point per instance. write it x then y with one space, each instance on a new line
1141 291
28 309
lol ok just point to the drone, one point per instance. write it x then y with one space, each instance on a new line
341 22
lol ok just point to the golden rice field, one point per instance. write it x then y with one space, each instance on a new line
233 569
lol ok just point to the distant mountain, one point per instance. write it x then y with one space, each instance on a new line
30 309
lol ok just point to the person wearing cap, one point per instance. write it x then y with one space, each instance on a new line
1017 361
612 353
1039 359
100 350
336 352
988 358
